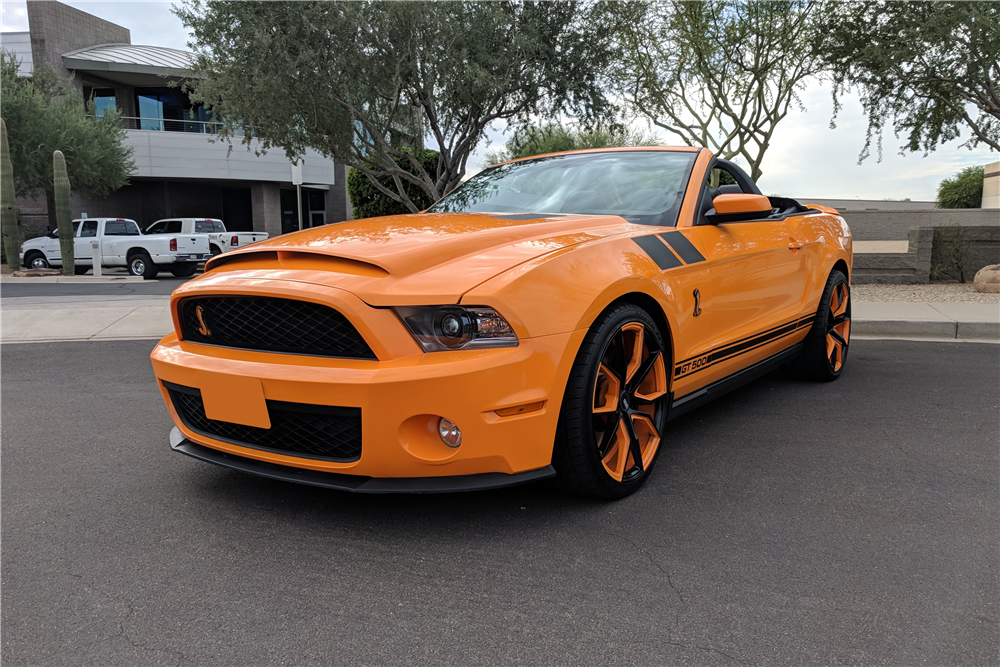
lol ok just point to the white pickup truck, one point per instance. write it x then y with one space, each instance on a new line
121 244
219 239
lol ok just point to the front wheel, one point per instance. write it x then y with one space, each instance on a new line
140 264
614 409
825 351
36 260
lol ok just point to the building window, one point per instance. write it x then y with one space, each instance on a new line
104 99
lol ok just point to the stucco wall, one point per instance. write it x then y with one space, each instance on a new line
160 154
57 28
896 225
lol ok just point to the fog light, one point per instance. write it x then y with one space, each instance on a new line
449 432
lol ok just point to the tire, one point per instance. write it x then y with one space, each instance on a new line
827 343
80 270
183 270
140 264
215 250
36 260
608 436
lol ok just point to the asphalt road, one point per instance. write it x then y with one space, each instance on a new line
786 524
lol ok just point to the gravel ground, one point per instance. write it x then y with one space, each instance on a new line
933 293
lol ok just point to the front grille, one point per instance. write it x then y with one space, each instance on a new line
297 429
270 324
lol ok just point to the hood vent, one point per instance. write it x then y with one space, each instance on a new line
293 260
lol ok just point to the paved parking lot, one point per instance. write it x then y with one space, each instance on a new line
787 524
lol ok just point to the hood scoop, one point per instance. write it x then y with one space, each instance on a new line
293 260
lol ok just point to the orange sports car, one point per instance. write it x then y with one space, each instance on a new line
548 317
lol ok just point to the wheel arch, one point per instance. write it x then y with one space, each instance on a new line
655 310
841 265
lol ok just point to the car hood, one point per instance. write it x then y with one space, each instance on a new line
411 259
37 242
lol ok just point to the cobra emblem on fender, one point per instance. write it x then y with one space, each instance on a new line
203 329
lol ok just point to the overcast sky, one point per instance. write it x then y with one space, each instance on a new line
806 157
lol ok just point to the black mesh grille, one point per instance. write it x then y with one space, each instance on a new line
297 429
271 325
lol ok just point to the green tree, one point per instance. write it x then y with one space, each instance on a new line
720 74
538 139
346 78
928 68
963 190
43 114
368 202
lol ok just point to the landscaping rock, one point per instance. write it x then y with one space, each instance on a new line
988 279
36 273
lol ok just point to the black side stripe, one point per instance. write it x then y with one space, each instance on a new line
701 362
657 251
683 247
808 319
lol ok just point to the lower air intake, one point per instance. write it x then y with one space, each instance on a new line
297 429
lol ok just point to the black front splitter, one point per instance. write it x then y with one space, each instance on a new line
354 483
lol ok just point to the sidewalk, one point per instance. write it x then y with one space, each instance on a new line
57 318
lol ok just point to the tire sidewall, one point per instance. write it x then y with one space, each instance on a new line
149 269
37 256
814 363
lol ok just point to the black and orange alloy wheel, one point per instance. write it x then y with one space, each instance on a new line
824 350
630 379
615 407
838 326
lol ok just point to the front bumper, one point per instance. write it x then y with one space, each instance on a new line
401 397
355 483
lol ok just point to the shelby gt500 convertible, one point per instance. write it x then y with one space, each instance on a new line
550 316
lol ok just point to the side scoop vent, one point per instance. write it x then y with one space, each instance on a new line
293 260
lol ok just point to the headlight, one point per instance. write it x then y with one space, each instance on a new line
439 328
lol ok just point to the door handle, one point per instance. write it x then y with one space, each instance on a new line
795 245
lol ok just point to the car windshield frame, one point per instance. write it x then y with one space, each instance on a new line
585 183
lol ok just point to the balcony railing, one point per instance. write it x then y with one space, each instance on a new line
168 125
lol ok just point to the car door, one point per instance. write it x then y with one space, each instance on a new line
83 253
52 249
758 278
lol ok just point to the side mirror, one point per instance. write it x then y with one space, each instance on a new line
54 234
733 208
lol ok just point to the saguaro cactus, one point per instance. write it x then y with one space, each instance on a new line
64 216
8 205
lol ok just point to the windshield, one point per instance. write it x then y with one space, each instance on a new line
644 187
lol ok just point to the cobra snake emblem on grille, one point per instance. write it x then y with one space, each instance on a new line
203 329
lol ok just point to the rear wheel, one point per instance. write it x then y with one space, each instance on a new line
140 264
80 270
614 409
183 270
825 351
215 250
36 260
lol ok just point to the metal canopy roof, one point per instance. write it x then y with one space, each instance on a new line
128 58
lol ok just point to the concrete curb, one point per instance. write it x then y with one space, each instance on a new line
926 329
